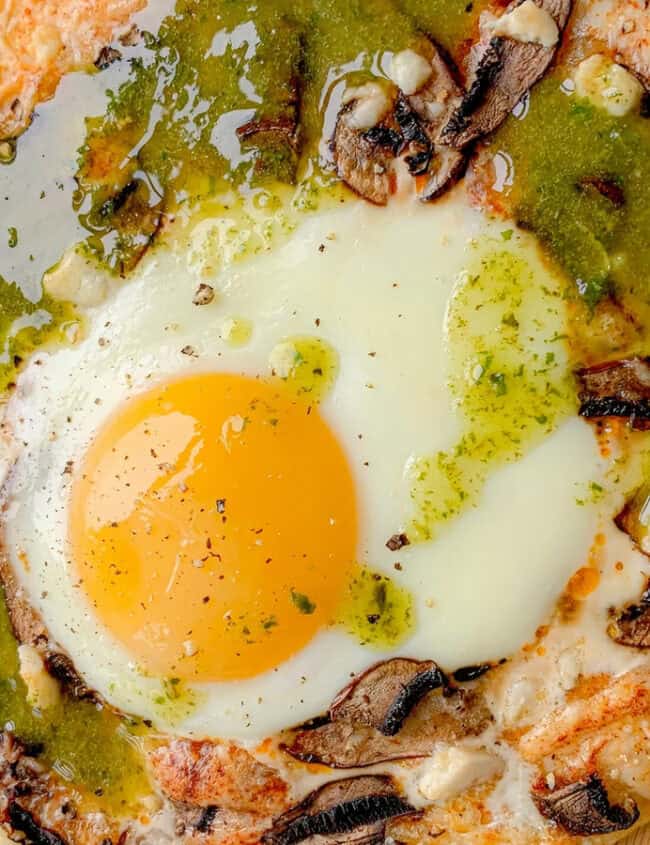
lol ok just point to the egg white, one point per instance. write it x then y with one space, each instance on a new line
368 281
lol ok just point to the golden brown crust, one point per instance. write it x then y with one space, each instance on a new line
40 40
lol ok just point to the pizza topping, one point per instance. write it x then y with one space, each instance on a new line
384 695
617 389
358 807
634 519
409 71
632 625
439 717
528 23
608 85
451 770
446 169
23 821
62 669
583 809
365 144
436 101
418 150
505 71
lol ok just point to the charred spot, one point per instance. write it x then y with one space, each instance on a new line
583 808
384 136
359 807
118 201
617 389
419 146
487 71
412 692
23 821
206 819
471 673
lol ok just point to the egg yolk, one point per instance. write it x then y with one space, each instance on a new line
213 526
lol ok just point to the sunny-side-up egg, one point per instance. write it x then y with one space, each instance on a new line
210 502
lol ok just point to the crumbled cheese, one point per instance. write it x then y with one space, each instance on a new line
42 690
528 23
78 279
236 331
570 664
46 43
189 648
452 770
370 104
409 71
517 699
283 359
607 85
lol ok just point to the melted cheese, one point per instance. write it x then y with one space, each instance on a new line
529 23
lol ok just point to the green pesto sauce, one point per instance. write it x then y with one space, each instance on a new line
169 136
508 375
308 366
24 325
89 747
557 150
375 610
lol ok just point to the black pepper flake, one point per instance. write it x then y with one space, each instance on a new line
397 542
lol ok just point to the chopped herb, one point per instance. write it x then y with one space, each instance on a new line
303 603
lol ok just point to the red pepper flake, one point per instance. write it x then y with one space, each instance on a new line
221 505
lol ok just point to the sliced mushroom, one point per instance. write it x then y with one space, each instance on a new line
352 810
617 389
107 55
634 519
583 809
438 717
384 695
62 669
605 187
446 169
429 109
631 626
435 103
24 822
364 156
504 71
285 127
